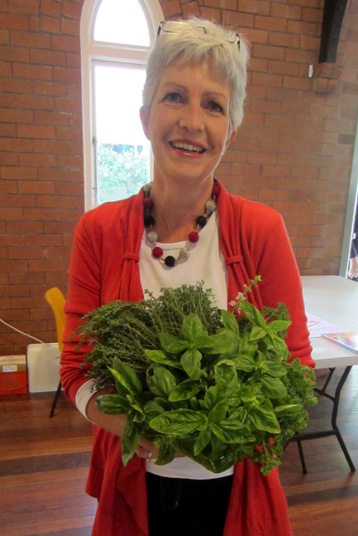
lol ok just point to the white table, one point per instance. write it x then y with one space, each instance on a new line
334 299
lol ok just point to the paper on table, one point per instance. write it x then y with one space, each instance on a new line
317 326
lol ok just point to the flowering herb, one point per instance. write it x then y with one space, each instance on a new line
216 385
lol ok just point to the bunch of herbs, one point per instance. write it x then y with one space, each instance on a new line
216 385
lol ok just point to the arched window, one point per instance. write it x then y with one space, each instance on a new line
116 38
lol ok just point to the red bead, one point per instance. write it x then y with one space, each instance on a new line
157 252
193 237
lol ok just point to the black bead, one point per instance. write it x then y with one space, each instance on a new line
149 221
201 221
170 261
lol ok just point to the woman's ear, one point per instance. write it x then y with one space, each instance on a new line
230 138
143 114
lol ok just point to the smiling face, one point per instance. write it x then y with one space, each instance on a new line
188 123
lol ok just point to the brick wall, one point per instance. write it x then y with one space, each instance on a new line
294 150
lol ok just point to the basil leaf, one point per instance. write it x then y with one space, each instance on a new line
277 369
279 325
171 344
222 342
152 409
210 398
112 404
129 440
190 361
160 357
288 409
178 423
225 375
230 321
219 411
202 441
160 381
257 332
273 387
166 453
126 376
244 362
184 390
264 419
192 328
228 433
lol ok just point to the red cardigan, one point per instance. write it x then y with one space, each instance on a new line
105 267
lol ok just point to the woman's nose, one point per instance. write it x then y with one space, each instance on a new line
192 118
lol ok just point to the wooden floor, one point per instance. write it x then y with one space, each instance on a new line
43 469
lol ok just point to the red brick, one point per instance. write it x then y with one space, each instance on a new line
30 40
35 131
9 21
24 7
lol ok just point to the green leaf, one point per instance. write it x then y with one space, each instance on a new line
244 362
112 404
152 409
160 357
190 361
202 441
257 332
230 321
288 409
126 376
227 431
171 344
264 419
184 391
225 375
129 440
178 423
166 453
279 325
218 412
160 381
192 328
276 369
210 398
222 342
273 387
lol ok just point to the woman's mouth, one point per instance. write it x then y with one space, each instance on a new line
187 147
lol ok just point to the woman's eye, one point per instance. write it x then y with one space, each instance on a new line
173 96
215 107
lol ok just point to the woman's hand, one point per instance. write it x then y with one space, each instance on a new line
115 424
146 449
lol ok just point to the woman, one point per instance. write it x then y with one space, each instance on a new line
167 235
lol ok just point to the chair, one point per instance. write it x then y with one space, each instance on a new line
56 300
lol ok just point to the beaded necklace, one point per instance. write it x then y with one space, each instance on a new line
193 236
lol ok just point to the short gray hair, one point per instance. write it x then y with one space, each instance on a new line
200 40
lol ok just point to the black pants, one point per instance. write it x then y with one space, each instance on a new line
184 507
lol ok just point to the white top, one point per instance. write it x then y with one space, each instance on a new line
205 263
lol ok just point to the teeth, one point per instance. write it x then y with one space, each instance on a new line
187 147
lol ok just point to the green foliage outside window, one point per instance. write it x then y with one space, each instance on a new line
121 171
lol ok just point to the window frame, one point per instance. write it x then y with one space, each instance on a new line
94 53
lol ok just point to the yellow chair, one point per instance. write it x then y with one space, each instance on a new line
56 300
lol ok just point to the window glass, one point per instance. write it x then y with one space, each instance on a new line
122 22
116 39
122 150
